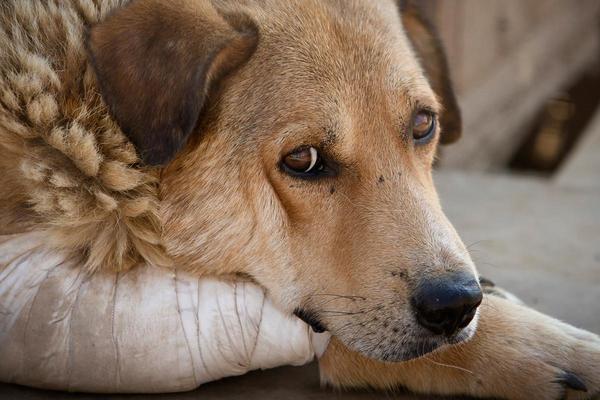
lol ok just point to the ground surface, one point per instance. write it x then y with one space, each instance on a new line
538 238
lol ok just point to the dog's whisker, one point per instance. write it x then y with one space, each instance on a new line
339 313
488 264
329 299
323 299
477 242
448 365
340 295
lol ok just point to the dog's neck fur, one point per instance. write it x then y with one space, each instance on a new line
66 166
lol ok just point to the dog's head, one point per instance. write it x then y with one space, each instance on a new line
296 141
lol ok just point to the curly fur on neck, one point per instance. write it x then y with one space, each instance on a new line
65 165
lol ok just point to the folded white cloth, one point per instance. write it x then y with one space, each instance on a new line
146 330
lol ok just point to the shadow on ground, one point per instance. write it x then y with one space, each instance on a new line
289 383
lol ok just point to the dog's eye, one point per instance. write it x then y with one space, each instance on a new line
306 162
303 160
423 127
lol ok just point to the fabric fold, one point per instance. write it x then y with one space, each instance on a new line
147 330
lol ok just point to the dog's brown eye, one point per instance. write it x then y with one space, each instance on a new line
303 160
423 126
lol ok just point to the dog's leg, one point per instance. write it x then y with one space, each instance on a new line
517 353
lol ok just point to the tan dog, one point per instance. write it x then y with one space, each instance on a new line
288 142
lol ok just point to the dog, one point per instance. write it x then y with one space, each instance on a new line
290 143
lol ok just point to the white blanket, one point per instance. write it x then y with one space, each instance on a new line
145 330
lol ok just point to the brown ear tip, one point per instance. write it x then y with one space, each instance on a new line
449 139
157 147
92 36
155 159
451 133
89 44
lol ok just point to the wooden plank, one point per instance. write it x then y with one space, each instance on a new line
499 100
582 168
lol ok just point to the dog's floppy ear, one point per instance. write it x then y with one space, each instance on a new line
432 58
155 62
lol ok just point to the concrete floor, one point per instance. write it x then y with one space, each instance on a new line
538 238
534 238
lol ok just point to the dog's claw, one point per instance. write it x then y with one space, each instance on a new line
571 381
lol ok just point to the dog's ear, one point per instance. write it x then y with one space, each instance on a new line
155 63
432 58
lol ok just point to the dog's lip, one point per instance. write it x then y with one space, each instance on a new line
414 351
435 344
420 349
311 319
418 346
317 328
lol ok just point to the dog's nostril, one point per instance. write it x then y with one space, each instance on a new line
446 306
468 317
436 317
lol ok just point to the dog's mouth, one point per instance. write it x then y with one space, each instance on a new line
401 348
311 319
421 345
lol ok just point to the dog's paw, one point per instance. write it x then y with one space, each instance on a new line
578 373
570 381
550 360
557 383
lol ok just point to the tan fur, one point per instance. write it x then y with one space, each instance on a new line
345 77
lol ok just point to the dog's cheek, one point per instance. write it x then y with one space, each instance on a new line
205 228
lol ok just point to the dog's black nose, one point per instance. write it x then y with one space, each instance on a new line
445 306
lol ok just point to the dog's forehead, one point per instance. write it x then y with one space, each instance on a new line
357 47
362 39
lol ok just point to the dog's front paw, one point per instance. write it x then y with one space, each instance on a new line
533 356
557 378
575 363
557 349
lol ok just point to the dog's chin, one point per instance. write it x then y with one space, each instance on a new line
419 345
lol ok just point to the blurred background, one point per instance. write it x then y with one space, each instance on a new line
522 186
527 74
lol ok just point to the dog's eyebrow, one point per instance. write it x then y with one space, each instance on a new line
417 92
289 129
326 135
424 100
330 135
